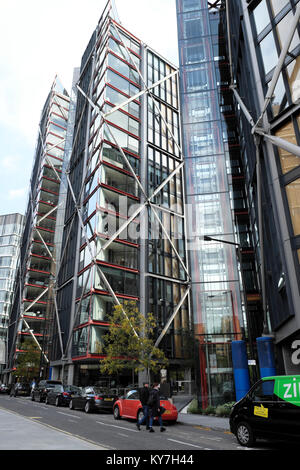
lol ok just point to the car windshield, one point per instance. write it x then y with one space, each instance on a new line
58 388
129 394
71 388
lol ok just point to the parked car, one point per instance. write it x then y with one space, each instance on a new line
5 388
61 395
20 388
129 406
93 399
40 391
270 410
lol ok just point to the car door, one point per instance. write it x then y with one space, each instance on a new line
288 405
262 409
131 404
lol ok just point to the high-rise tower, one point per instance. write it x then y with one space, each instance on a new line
124 234
31 314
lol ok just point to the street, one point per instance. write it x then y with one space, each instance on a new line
104 430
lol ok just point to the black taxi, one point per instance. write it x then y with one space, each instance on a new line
271 409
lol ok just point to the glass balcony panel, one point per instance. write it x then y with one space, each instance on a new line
102 307
80 342
118 180
118 254
122 282
96 343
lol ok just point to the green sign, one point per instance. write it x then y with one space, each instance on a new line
288 388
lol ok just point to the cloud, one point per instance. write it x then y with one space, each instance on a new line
49 38
17 193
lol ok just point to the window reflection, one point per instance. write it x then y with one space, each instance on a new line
288 161
277 5
293 73
279 100
282 30
293 195
261 16
268 52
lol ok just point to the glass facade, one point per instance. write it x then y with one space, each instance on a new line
37 258
283 112
125 154
11 228
263 28
222 271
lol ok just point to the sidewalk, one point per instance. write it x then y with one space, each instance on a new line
19 433
212 422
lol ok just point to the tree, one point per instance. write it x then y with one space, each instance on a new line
28 361
129 343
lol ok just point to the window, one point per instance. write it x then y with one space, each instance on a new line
288 160
269 52
277 5
293 195
264 391
261 16
283 29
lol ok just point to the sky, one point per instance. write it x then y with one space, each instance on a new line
41 39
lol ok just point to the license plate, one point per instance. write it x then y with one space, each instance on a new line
108 399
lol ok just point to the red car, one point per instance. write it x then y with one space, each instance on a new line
130 406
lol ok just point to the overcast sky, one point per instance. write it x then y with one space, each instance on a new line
40 39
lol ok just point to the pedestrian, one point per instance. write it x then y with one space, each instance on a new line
33 384
144 397
155 408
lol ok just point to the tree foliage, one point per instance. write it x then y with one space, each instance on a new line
28 361
126 350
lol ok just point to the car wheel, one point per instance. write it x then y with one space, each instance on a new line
117 414
57 402
71 406
87 407
244 434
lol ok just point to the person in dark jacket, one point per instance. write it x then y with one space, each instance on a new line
144 397
155 408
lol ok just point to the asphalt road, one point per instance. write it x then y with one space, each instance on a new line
111 434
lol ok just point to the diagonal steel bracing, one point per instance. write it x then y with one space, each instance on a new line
260 133
148 200
147 203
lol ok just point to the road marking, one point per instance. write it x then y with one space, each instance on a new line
114 426
66 414
202 428
185 443
121 434
35 417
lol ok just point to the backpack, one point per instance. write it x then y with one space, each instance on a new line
151 399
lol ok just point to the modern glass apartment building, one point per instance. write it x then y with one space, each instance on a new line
124 221
31 314
11 229
225 291
265 51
